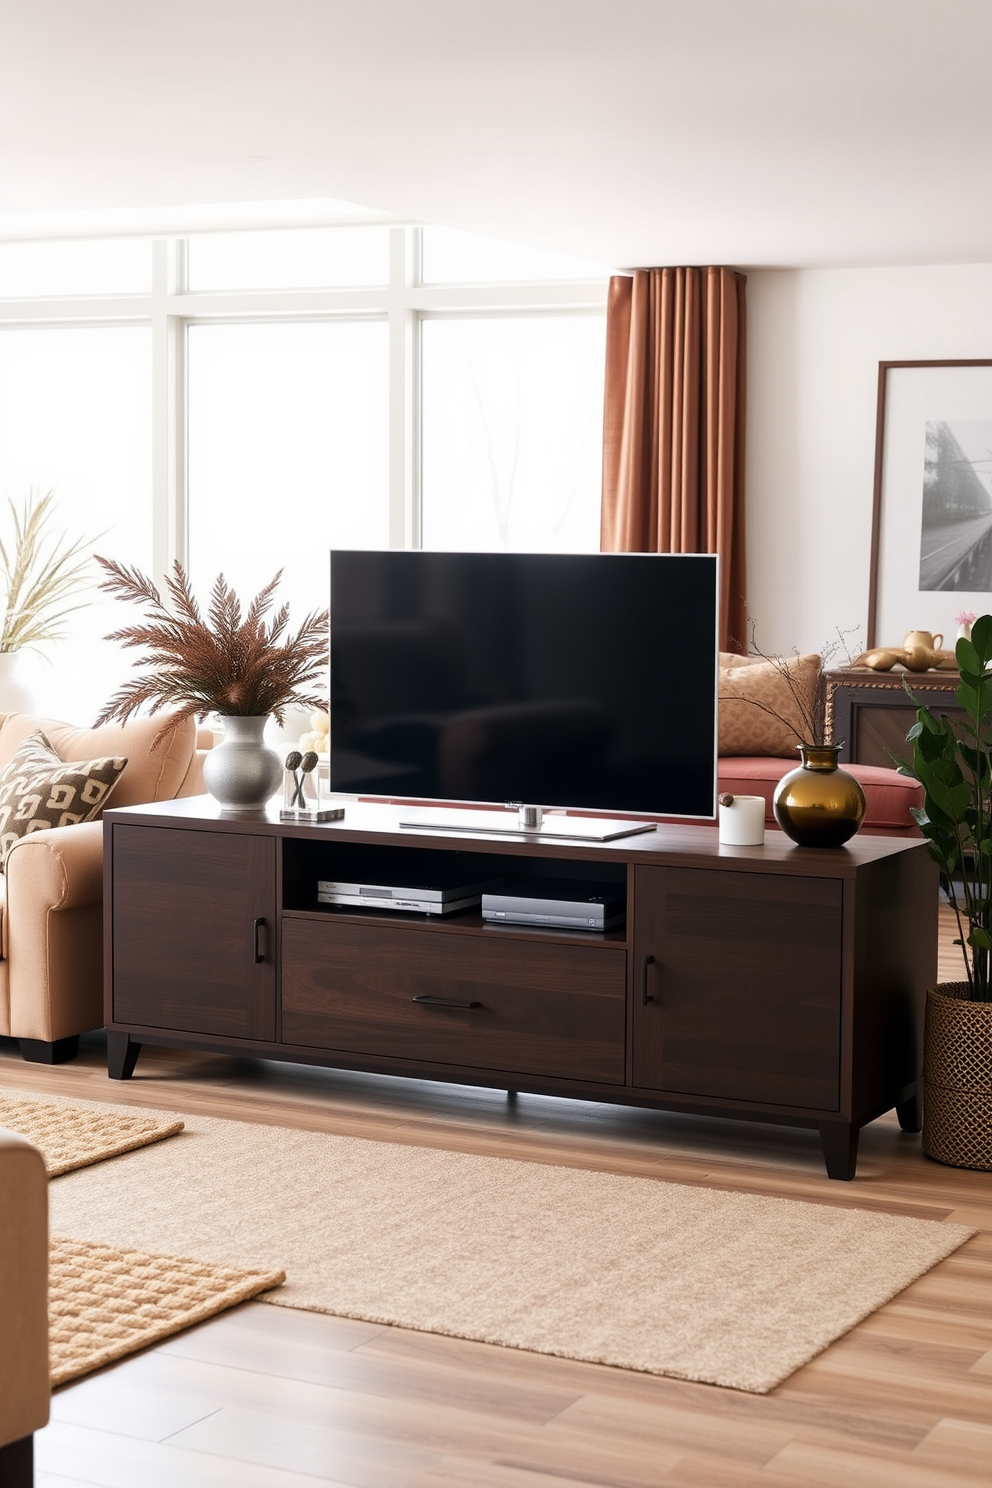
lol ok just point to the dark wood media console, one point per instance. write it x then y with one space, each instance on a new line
773 983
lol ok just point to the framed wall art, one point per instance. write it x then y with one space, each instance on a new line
931 541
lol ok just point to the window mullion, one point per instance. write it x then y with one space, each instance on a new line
162 400
404 483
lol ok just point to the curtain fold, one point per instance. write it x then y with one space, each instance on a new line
673 426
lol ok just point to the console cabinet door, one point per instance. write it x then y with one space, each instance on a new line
193 931
742 972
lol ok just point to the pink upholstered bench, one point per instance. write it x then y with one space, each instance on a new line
889 795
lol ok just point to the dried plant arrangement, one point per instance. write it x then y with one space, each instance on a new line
224 661
41 572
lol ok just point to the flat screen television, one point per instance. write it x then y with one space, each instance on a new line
582 680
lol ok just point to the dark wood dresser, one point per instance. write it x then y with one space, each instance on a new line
775 983
871 712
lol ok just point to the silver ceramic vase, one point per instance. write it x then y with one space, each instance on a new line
242 772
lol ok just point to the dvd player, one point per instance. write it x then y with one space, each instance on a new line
444 894
562 903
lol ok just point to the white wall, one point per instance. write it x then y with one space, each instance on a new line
815 338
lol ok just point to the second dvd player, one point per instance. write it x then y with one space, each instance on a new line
561 903
441 894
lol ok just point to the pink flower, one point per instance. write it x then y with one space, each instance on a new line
965 617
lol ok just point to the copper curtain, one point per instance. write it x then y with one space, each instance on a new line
673 428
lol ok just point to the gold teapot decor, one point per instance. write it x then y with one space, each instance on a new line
919 652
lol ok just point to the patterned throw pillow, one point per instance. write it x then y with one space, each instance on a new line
38 790
758 710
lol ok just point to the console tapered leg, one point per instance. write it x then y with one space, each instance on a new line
910 1112
41 1051
122 1055
839 1140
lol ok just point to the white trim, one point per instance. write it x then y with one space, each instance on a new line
89 310
190 218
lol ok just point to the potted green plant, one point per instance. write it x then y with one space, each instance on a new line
954 766
227 661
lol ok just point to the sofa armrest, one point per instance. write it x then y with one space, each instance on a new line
59 868
24 1378
52 932
192 783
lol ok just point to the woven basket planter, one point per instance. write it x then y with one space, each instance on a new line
957 1078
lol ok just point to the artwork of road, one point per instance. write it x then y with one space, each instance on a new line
958 555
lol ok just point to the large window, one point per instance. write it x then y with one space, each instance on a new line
512 432
75 419
245 401
288 450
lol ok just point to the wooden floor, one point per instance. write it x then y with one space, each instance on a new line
269 1398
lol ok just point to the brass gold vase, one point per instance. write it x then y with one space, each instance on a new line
819 804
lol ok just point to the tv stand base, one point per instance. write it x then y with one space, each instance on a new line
545 825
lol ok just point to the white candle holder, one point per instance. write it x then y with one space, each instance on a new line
742 820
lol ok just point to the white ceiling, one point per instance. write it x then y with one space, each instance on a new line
629 132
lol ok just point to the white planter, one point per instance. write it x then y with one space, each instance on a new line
242 772
15 697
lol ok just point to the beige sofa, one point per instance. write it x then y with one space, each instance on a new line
51 950
24 1376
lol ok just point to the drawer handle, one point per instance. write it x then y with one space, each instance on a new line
447 1002
259 941
646 996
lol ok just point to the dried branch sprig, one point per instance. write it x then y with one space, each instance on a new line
40 573
219 662
811 706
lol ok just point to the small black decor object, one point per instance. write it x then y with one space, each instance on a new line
305 798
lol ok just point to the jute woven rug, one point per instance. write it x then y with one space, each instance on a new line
104 1302
726 1288
73 1136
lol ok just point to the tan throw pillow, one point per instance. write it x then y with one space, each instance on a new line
38 790
758 711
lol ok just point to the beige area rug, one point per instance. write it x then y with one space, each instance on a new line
73 1135
104 1302
727 1288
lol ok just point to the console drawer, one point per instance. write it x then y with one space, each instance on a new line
543 1009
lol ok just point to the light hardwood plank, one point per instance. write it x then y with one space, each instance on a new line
963 1442
471 1472
271 1440
829 1464
108 1461
252 1341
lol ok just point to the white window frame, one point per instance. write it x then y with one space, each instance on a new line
171 307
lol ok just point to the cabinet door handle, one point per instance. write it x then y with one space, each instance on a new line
447 1002
646 996
260 939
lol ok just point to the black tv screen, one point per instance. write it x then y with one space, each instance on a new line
571 680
